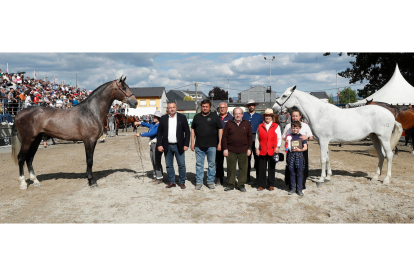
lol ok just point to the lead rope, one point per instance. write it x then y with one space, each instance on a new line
139 152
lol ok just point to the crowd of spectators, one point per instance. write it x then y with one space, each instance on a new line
18 92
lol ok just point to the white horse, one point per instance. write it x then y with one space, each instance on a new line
332 124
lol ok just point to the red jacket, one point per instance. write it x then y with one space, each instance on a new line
267 139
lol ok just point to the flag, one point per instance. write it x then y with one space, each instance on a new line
7 70
288 143
35 75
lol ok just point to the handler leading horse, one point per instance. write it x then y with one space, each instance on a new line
332 124
83 122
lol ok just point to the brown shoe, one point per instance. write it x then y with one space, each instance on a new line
271 188
170 186
182 186
260 189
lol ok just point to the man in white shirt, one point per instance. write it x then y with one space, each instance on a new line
173 138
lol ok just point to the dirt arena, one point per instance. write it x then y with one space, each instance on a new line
125 194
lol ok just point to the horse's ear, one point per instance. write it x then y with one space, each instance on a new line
124 79
293 88
120 79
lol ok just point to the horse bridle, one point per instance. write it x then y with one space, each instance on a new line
123 91
281 105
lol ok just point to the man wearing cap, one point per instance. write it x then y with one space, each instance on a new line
173 138
155 155
224 117
254 119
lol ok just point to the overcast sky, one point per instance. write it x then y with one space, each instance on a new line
308 71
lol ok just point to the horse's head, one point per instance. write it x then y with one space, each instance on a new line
369 102
285 101
124 94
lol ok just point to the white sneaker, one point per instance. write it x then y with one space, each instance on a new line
3 123
10 124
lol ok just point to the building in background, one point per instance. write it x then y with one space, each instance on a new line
150 99
321 96
179 95
257 93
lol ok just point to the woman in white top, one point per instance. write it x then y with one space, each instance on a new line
268 140
306 133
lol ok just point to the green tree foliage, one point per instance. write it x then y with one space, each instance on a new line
347 95
377 69
188 99
219 94
331 99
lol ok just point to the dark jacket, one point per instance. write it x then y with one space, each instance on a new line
183 132
237 138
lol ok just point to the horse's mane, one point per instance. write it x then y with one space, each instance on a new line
384 104
95 93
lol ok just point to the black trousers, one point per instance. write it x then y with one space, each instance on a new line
256 159
266 162
219 164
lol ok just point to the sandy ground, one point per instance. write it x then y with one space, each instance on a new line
125 194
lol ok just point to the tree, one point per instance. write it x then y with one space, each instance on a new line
230 100
188 99
331 99
347 95
219 94
377 69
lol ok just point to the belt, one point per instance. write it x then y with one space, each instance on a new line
172 143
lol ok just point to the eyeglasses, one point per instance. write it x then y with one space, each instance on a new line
222 107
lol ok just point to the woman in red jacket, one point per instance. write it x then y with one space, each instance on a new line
269 138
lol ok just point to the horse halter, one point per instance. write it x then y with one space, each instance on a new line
281 105
123 91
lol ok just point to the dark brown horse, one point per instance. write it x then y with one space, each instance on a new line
130 120
404 117
83 122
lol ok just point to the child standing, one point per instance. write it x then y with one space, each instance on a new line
295 160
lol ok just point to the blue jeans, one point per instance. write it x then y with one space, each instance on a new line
8 117
169 163
201 152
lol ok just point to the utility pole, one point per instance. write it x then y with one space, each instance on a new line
228 92
270 77
196 99
337 92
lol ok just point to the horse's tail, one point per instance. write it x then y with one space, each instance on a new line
396 134
16 144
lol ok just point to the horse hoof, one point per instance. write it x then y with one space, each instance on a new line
23 187
36 184
94 186
327 180
318 184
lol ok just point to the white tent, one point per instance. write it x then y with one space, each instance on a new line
397 91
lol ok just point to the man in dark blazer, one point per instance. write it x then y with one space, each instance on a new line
173 138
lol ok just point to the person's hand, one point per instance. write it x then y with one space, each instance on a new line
304 137
137 123
225 153
185 148
192 146
277 150
249 152
296 149
257 152
219 147
161 149
138 134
